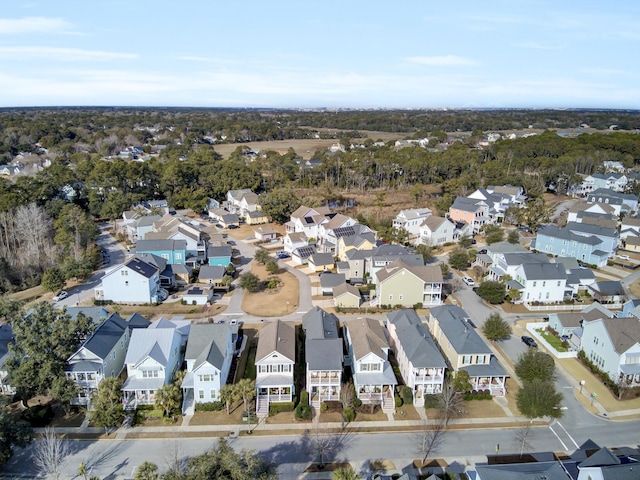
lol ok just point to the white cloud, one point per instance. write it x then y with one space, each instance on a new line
64 54
443 61
12 26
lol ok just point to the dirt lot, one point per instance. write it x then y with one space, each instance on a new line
272 303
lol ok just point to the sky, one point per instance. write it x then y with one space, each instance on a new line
321 54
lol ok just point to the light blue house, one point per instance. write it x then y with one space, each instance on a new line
609 236
562 242
219 256
173 251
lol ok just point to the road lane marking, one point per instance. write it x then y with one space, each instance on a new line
560 440
568 435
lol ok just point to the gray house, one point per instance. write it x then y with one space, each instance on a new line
421 364
324 355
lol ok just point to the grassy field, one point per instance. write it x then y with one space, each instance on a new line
272 303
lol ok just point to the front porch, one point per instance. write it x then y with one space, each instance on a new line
378 394
323 393
272 394
133 398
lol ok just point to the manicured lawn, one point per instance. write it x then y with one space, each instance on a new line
552 340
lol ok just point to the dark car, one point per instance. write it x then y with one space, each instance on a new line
233 227
528 341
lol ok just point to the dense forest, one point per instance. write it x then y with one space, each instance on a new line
87 177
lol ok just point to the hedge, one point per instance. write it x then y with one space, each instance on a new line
349 414
275 408
210 407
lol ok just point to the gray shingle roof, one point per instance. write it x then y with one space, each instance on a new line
324 354
592 229
322 259
211 273
207 342
463 337
566 234
141 267
222 251
544 271
319 324
278 337
138 321
415 340
106 336
155 343
144 246
367 336
331 280
523 471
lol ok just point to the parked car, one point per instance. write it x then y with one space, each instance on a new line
162 294
623 257
233 227
528 341
61 295
469 281
282 255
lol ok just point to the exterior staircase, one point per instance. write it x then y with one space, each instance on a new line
262 407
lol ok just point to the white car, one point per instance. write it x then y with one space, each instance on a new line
60 296
623 257
469 281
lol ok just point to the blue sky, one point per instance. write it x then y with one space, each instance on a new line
307 54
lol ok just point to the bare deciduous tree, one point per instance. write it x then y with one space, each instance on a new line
347 395
522 435
49 453
450 403
429 439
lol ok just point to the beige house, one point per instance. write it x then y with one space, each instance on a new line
401 284
256 217
275 362
346 296
364 241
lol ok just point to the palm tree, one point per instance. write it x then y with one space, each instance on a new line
344 474
247 390
228 395
146 471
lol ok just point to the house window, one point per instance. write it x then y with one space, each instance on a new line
534 284
165 256
178 256
150 374
544 284
400 297
466 359
124 273
206 378
390 297
126 283
558 283
201 394
213 393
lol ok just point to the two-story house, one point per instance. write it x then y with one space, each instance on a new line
241 202
368 348
323 351
220 256
465 349
621 202
173 251
275 362
475 212
210 350
560 241
355 237
436 231
171 227
613 345
152 359
383 255
410 220
327 236
100 356
134 282
542 282
408 285
421 364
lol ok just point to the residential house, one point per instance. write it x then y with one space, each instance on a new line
621 202
346 296
173 251
421 364
152 359
475 212
265 233
321 262
301 255
327 236
505 264
6 338
540 282
214 276
198 295
578 209
357 236
384 254
436 231
138 227
629 227
465 349
613 345
229 219
410 220
209 354
329 281
241 202
294 240
569 325
547 470
100 356
609 181
323 352
606 464
171 227
356 259
256 217
610 291
632 244
609 236
275 362
307 220
134 282
563 242
408 285
219 256
373 376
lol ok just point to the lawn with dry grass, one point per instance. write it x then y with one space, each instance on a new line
406 412
272 303
218 418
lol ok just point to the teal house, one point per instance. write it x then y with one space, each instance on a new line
173 251
219 256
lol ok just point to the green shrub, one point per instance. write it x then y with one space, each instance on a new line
396 371
431 401
349 414
275 408
604 376
357 402
398 401
38 416
209 407
407 395
324 406
477 396
303 410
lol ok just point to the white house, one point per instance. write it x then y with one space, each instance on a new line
100 356
368 349
436 231
540 282
210 349
613 345
152 359
275 362
411 219
293 241
421 364
323 350
308 220
134 282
